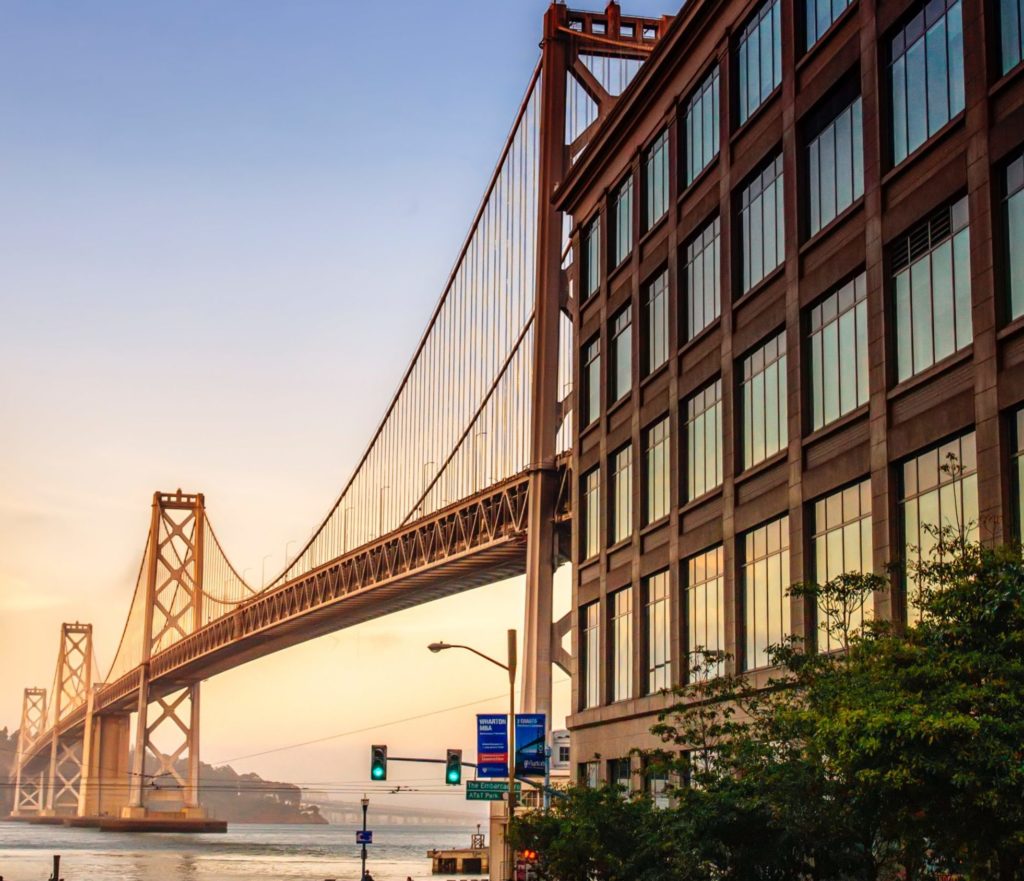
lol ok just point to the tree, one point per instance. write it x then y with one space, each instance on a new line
899 756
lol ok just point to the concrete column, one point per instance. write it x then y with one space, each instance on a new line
106 786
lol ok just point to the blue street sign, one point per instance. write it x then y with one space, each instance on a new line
364 837
491 745
530 744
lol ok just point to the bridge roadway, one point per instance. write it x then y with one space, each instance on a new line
477 541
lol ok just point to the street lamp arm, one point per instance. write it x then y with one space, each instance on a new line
445 645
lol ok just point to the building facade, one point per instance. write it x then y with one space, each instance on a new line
798 284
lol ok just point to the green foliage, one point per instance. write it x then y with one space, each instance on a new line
901 756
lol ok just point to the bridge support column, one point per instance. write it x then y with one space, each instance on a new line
74 682
541 558
28 788
106 768
165 772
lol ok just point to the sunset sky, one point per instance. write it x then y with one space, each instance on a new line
224 226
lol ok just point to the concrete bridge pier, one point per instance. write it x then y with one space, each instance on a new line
106 767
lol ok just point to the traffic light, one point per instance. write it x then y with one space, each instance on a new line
529 856
378 762
453 767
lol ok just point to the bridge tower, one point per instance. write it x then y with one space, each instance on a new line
29 789
73 684
540 646
173 610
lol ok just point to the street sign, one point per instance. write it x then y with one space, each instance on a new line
488 790
530 743
364 836
491 745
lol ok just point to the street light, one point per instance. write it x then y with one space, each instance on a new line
436 647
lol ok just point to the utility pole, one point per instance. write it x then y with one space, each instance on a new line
365 802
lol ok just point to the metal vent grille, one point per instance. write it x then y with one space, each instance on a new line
923 238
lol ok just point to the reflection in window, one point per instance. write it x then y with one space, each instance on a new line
940 491
702 126
836 167
656 180
619 775
841 542
657 637
820 15
656 787
622 644
590 646
591 398
622 210
592 258
1015 236
621 344
765 421
759 59
705 606
1011 33
590 521
839 353
703 300
656 317
765 582
657 476
927 75
622 495
1018 474
932 283
762 227
704 440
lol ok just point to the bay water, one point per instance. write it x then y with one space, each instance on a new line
310 853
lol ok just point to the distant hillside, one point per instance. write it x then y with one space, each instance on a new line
226 794
248 798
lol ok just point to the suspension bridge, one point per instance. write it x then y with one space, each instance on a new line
465 482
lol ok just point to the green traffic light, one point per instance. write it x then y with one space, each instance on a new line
453 775
378 772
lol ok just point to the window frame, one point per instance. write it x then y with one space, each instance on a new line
590 258
590 381
708 87
703 586
657 667
626 190
753 364
656 340
620 504
590 655
590 519
620 624
747 200
770 9
615 332
653 446
785 580
660 144
690 417
707 238
1012 195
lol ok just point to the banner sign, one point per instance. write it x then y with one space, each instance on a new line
530 744
491 745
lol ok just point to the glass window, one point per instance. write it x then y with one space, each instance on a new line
703 274
820 15
622 644
591 398
1011 32
835 167
762 227
1015 236
656 180
839 353
702 126
622 495
590 646
659 664
765 581
704 440
657 476
705 605
1018 474
927 72
590 522
759 59
656 787
656 317
590 774
621 344
622 208
619 775
841 542
940 491
932 281
592 258
765 420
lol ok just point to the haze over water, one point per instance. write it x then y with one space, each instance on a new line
245 852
